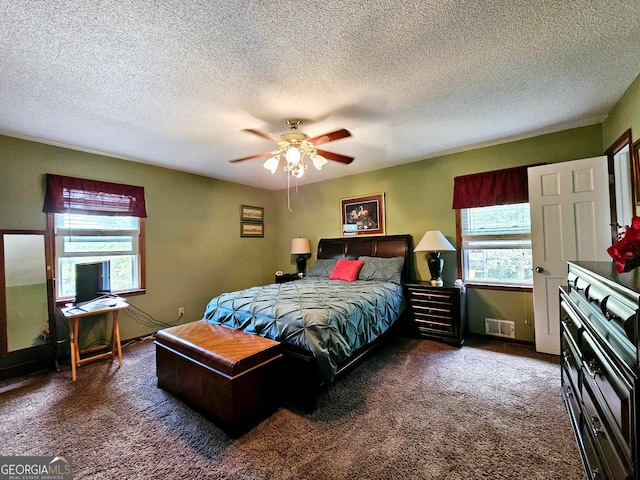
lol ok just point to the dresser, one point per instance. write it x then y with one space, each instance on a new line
600 366
439 313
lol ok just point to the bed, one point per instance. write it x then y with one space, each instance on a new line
325 325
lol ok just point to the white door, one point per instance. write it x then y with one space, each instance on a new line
570 220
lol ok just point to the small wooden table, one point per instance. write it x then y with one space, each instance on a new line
75 314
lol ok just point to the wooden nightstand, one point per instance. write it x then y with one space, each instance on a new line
439 313
287 277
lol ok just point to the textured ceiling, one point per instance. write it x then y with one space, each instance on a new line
173 83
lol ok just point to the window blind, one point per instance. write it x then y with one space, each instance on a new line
79 195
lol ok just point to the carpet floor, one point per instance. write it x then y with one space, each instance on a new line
415 409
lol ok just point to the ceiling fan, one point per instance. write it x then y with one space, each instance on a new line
295 147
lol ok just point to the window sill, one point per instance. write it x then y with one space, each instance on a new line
61 302
504 288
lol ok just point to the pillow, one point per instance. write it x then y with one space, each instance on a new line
322 268
382 269
346 270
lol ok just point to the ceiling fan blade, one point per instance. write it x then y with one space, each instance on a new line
263 154
329 137
336 157
266 136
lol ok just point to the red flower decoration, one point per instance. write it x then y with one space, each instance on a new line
626 251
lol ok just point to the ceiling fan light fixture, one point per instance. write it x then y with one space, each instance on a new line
293 155
296 169
318 160
296 150
272 164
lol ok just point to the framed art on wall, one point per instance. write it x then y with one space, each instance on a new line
251 229
363 215
251 214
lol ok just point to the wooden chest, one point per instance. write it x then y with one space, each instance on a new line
230 375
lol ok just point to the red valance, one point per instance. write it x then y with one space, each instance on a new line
498 187
79 195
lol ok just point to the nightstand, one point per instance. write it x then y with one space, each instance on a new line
287 277
438 313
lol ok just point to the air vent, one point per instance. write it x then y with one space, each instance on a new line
499 328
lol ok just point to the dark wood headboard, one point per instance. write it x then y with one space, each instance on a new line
374 246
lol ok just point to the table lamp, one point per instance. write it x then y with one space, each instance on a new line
435 242
300 246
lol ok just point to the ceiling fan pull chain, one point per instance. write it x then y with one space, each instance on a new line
289 194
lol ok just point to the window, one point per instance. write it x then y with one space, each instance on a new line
95 221
91 238
496 245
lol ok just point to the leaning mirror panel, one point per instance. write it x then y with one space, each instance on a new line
26 297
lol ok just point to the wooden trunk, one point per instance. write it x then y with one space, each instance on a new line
229 375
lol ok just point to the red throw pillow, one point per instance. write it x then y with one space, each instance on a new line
346 270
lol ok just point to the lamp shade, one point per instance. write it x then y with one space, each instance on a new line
434 241
300 246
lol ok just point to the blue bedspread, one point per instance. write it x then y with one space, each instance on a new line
329 318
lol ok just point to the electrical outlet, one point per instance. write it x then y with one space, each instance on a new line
181 311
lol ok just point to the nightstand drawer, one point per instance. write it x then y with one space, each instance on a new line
422 296
431 309
433 324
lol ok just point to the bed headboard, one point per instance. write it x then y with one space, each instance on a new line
373 246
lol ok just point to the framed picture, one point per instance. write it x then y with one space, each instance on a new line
251 214
251 229
362 215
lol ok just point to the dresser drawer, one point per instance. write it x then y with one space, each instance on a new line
610 384
571 361
596 295
593 464
571 321
613 455
571 399
581 286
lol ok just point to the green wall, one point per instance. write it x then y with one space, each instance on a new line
624 115
418 198
193 245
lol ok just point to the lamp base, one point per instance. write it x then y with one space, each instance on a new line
435 264
301 263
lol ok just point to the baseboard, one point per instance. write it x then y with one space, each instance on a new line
501 339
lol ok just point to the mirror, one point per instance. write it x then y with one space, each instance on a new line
26 306
623 175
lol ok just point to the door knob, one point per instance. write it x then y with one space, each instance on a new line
539 269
